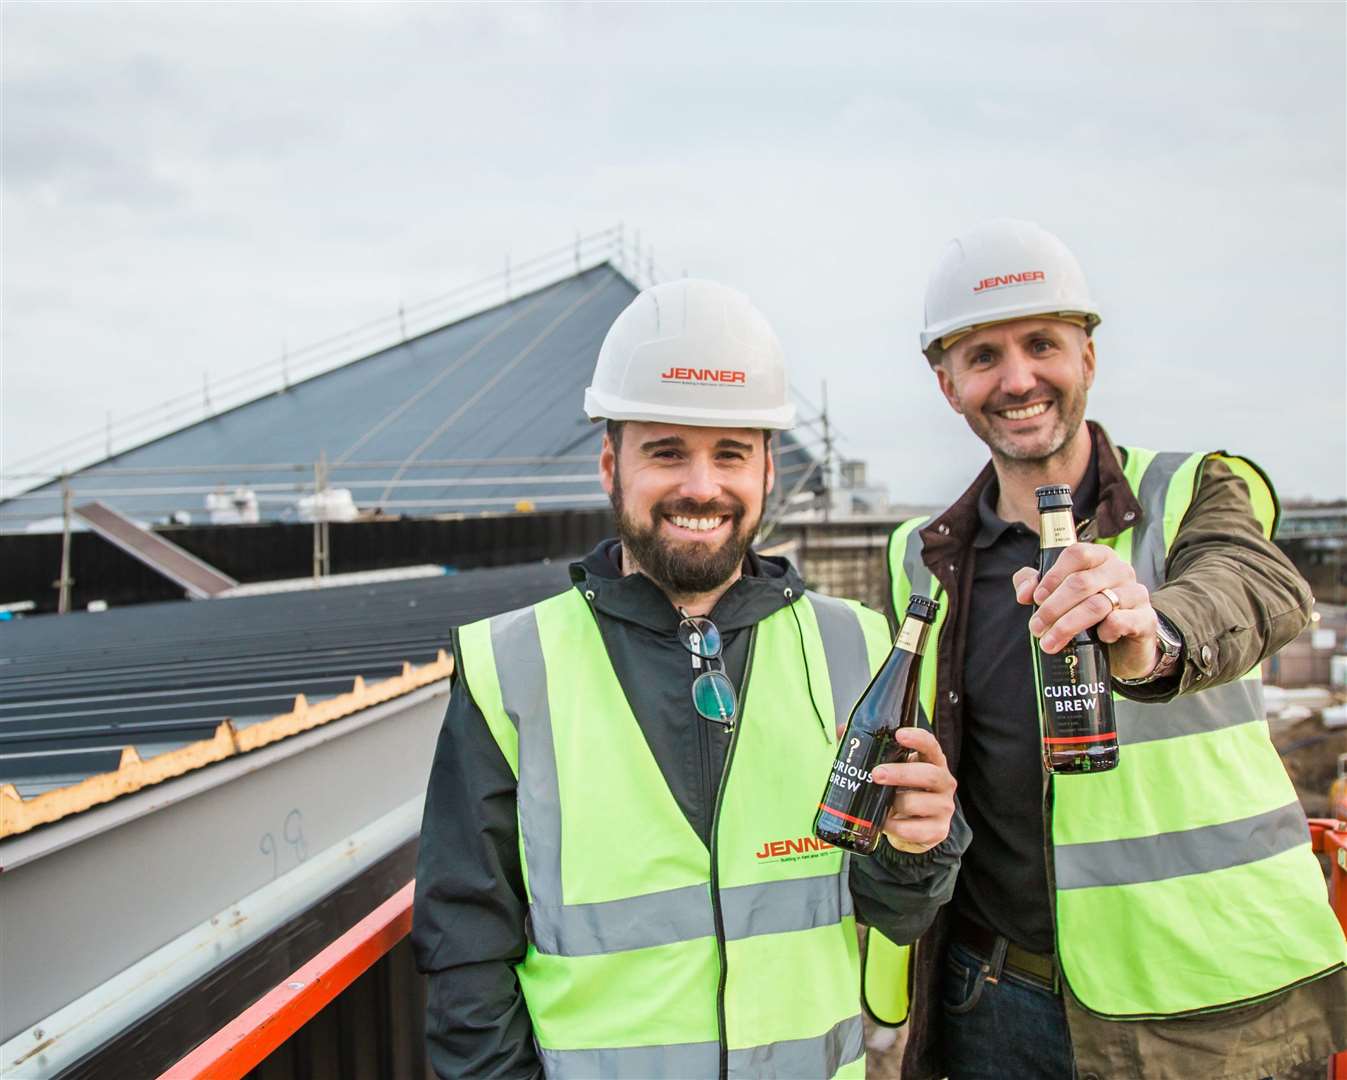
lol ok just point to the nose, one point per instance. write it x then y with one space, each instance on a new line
1018 376
700 482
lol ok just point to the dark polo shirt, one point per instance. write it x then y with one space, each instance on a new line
1004 882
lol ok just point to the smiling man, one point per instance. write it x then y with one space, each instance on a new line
1166 918
616 874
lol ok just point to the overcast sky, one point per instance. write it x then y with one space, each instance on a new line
187 186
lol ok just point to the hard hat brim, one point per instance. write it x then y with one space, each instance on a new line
931 338
600 406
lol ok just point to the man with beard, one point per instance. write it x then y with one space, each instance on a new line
1166 918
617 875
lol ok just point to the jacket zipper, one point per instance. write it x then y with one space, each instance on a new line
715 863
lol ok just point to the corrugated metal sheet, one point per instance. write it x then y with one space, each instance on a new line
82 694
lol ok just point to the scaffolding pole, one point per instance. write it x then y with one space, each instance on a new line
65 581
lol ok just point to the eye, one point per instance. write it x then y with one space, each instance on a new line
980 359
1042 345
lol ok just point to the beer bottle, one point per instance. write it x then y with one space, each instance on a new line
853 809
1079 735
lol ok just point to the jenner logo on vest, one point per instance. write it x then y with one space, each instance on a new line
696 376
806 846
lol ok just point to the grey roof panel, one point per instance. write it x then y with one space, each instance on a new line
507 382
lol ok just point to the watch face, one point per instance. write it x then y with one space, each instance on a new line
1170 641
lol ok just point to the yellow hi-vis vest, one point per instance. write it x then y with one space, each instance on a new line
1183 879
649 956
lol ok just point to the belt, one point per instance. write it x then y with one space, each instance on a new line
1041 967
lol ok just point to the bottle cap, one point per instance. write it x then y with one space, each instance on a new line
922 608
1053 497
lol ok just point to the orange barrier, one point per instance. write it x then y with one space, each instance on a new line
1330 837
246 1041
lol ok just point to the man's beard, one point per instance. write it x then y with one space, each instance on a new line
685 568
1068 411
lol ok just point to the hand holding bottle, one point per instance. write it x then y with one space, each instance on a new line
1070 599
923 804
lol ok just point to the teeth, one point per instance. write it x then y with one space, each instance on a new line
696 524
1025 414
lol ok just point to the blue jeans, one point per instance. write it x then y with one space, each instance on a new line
1015 1026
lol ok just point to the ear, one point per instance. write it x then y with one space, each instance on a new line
1087 358
947 387
770 480
607 465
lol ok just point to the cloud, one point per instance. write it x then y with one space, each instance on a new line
186 187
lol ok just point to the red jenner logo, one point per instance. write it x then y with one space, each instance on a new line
774 849
704 375
1000 281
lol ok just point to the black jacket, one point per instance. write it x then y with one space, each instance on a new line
469 925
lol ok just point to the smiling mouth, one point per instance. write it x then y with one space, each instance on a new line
697 524
1025 412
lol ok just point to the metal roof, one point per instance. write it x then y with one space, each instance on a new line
503 386
88 695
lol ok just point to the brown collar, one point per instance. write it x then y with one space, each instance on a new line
953 531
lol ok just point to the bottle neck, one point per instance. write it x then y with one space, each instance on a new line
1056 529
912 635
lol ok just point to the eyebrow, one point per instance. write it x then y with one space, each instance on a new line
668 442
676 442
1044 329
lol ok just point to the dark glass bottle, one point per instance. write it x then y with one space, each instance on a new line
1079 734
853 809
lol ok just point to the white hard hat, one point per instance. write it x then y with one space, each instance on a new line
1004 270
691 352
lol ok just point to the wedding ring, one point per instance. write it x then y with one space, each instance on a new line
1111 597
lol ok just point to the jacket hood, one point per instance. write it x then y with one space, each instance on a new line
767 584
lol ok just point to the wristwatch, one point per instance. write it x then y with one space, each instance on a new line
1170 652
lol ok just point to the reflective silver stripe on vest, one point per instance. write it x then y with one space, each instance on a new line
637 922
1176 854
1224 706
1220 707
918 576
1148 542
780 907
661 918
820 1057
522 675
845 650
516 633
627 1062
922 583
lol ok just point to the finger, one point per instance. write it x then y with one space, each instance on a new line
923 742
1094 611
1075 588
1025 581
914 776
916 836
921 804
1076 557
1134 623
1132 617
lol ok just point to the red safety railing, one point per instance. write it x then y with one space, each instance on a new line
246 1041
1330 837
